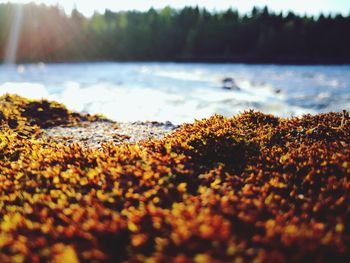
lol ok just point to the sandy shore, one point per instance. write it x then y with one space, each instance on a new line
94 134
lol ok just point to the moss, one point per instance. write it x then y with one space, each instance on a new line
28 115
248 188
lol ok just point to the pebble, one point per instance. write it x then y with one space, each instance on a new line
94 134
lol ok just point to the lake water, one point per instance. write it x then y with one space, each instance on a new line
181 92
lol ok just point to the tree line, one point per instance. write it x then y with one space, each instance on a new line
48 34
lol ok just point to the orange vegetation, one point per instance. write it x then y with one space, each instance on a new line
251 188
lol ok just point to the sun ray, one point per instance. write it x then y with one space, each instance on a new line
12 44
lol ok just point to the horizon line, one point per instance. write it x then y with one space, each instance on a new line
68 10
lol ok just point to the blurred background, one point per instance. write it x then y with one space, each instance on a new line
178 61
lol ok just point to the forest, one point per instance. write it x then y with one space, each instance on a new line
192 34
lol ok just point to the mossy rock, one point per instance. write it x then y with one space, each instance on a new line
251 188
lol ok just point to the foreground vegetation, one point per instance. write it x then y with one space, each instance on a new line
190 34
251 188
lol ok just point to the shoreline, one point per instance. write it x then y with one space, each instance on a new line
280 62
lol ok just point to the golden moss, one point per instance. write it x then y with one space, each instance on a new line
26 116
249 188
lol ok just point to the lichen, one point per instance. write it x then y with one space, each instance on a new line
248 188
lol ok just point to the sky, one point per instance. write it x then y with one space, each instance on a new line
310 7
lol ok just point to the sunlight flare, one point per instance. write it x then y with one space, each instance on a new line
14 36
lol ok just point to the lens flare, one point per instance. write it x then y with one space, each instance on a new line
12 44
